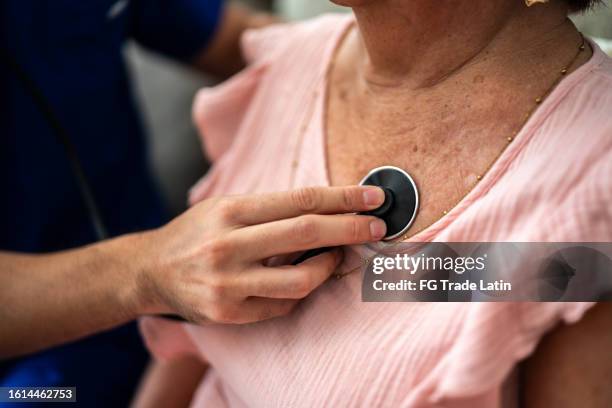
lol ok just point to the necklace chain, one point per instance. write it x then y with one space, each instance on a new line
312 105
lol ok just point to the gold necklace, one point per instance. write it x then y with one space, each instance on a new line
310 113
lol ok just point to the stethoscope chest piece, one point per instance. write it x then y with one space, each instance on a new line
401 199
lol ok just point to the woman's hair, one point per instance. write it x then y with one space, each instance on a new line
581 5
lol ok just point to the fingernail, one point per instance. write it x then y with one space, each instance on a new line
374 197
378 229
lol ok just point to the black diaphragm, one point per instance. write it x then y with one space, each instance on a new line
401 199
398 210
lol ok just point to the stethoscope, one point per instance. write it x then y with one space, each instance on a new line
48 113
398 210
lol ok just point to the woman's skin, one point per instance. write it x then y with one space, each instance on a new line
446 83
572 366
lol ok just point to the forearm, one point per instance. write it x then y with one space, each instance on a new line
50 299
223 56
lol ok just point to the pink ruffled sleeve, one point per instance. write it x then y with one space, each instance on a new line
266 44
219 112
494 338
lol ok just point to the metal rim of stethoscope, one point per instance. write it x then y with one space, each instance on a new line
416 193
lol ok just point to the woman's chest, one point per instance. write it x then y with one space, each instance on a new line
333 351
447 149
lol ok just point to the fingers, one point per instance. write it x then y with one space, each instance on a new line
250 210
231 235
306 232
292 282
249 310
263 293
256 309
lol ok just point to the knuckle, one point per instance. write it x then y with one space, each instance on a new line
348 198
227 211
306 229
305 199
217 289
220 314
354 230
302 286
218 252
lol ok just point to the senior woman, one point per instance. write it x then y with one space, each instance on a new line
501 112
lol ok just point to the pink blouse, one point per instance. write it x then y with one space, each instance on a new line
553 183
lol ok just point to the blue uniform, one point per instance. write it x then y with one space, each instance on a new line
72 49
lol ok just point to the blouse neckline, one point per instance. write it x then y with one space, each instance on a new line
497 169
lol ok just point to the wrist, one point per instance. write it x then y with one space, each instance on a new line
135 264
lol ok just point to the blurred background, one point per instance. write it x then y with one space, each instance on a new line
165 90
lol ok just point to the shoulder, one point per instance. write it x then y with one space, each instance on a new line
592 94
555 179
279 40
603 63
580 120
573 157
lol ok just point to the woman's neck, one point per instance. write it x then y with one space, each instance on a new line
420 44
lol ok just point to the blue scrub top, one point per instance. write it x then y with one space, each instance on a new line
73 50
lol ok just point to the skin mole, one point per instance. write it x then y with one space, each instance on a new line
478 79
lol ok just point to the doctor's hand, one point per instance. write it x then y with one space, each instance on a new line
209 264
